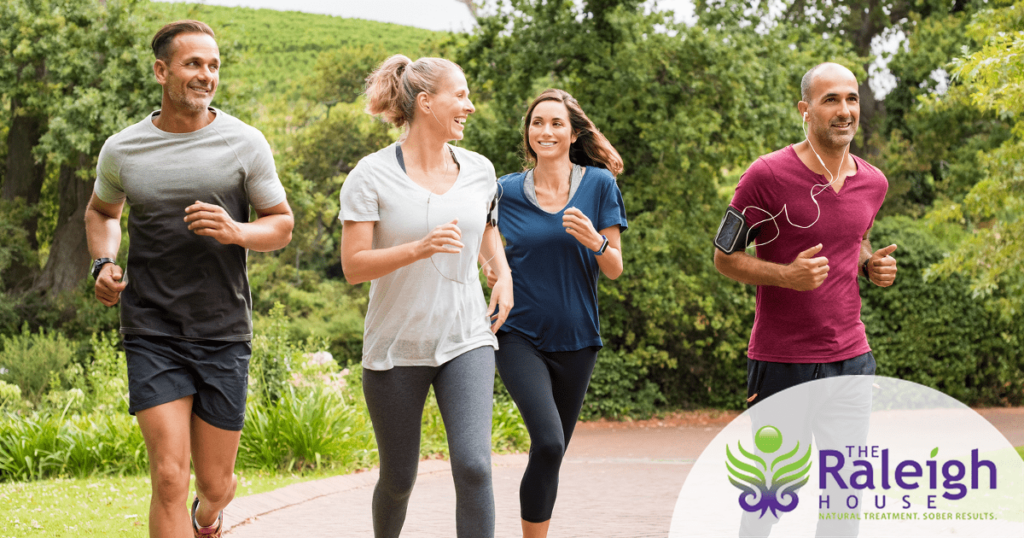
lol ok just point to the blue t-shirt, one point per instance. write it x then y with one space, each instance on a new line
555 276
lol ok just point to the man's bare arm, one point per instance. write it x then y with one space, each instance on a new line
103 234
805 273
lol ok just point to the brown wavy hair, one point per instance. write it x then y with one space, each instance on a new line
591 148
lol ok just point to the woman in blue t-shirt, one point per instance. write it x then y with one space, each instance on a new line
561 221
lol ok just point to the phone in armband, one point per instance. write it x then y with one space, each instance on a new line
492 210
733 233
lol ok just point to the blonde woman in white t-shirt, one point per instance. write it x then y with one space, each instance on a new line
415 221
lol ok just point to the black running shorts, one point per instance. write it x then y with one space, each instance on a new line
215 373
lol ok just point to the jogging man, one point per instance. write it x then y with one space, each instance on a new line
189 173
810 206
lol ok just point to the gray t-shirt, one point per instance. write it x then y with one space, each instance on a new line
181 284
433 310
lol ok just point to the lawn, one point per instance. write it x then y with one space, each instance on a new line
100 507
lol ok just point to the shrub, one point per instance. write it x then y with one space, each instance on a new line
44 445
107 374
28 359
936 333
621 387
10 396
314 429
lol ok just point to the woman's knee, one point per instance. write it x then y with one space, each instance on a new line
397 483
547 451
217 489
472 472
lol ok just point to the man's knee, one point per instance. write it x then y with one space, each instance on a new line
218 489
170 481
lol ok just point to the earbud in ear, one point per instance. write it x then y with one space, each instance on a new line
805 116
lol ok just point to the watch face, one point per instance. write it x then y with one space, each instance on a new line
97 265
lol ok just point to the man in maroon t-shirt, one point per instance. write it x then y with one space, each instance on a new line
811 206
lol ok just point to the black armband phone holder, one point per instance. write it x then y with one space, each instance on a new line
733 233
492 211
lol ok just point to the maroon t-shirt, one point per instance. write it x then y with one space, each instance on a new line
822 325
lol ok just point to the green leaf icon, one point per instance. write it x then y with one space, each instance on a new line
934 452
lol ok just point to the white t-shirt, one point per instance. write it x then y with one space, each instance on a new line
433 310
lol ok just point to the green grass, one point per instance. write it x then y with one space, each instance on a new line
101 507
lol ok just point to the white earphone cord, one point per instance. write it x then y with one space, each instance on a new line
496 240
821 188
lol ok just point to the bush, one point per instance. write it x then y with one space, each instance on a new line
300 431
10 396
50 445
107 374
936 333
29 359
621 387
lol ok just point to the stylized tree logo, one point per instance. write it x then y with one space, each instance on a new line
759 493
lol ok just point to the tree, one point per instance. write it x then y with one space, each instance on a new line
993 208
861 23
74 73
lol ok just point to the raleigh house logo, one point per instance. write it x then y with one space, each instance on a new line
769 487
865 456
773 486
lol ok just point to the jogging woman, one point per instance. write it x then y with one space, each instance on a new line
561 220
414 217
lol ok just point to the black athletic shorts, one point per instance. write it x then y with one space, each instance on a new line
215 373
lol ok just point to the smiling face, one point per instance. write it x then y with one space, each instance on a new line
550 131
833 110
190 74
449 108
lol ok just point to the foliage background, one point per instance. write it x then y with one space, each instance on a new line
688 107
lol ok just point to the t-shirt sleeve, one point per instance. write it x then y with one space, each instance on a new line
108 185
613 210
751 196
261 182
492 179
359 201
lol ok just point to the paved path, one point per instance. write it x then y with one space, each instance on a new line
618 481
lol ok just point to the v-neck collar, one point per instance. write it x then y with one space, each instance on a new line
530 189
824 181
400 159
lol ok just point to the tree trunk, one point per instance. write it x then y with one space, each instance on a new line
24 181
68 262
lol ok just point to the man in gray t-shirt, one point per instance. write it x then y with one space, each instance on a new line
190 173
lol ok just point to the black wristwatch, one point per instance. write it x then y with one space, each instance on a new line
97 265
604 245
864 268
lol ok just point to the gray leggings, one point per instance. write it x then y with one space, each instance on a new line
464 387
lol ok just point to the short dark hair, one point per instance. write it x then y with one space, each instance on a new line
162 40
591 148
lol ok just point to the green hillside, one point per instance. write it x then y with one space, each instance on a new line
274 50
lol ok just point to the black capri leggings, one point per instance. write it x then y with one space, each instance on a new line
548 387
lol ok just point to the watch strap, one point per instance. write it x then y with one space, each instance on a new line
97 265
604 246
